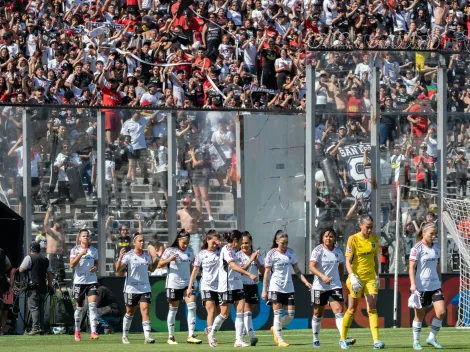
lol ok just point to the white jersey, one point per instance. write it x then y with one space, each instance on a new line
137 279
327 263
179 271
208 261
82 274
426 259
252 269
229 279
281 266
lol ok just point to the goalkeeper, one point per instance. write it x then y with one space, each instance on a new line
362 265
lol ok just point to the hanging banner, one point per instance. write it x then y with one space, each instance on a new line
352 157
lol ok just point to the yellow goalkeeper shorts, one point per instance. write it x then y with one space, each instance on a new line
369 287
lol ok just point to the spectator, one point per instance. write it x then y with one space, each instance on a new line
109 314
461 167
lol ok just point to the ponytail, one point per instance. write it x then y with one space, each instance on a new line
181 234
209 235
424 227
229 237
277 236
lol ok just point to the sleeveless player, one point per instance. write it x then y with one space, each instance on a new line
178 257
279 263
230 288
253 263
208 260
84 259
425 278
327 264
137 290
363 267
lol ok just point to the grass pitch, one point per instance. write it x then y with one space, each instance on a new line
300 340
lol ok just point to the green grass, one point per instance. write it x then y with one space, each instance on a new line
300 340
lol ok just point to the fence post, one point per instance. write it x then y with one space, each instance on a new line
442 154
101 191
172 220
310 160
27 197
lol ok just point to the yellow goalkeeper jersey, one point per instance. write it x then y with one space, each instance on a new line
363 251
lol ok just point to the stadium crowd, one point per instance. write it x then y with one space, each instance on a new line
227 54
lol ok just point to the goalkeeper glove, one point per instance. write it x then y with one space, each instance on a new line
356 284
377 281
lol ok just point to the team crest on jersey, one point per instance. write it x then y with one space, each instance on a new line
373 245
349 249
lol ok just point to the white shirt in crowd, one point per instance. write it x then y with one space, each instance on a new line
82 274
137 278
222 139
426 259
249 56
179 271
109 167
152 99
327 263
281 266
208 262
160 129
161 159
135 129
229 279
74 159
34 163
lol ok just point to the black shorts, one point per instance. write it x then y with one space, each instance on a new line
175 294
133 299
321 298
251 294
209 296
286 299
429 297
229 297
82 290
160 180
200 181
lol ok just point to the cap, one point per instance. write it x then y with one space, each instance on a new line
424 145
69 32
35 247
323 72
187 200
342 127
130 74
145 103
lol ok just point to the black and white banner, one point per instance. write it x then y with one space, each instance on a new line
352 157
105 24
255 89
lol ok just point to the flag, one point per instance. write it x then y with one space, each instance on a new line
419 62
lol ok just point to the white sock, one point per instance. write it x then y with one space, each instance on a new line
170 320
339 321
239 327
93 313
316 324
436 325
126 324
218 321
78 317
191 318
416 330
146 327
248 320
286 319
278 324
